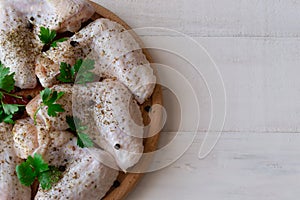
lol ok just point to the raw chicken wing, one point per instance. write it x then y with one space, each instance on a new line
10 186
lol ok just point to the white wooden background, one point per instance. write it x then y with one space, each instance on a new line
256 45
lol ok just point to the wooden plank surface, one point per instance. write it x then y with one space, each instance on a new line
244 18
246 166
256 46
260 77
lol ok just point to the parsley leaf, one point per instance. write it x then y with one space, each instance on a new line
37 162
7 111
6 118
81 72
53 109
54 43
48 99
10 108
67 73
25 173
71 123
84 74
78 64
83 139
7 83
47 37
49 177
36 167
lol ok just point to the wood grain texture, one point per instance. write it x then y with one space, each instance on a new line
246 166
218 18
129 180
260 77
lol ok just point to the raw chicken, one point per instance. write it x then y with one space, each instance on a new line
18 48
53 123
19 42
107 108
29 138
116 52
10 186
110 112
59 15
113 117
85 177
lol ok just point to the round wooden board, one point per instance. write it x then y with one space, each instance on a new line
129 180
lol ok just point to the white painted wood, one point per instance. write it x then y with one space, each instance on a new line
246 166
261 77
213 17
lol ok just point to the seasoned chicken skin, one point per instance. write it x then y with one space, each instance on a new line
59 15
19 28
10 186
113 117
18 47
110 112
116 52
85 177
29 138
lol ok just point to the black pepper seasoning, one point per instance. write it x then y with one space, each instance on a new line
117 146
62 168
116 183
74 43
147 108
29 26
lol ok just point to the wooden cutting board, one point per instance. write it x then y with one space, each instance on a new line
129 180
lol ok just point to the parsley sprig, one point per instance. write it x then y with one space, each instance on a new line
49 98
81 72
83 140
68 72
6 79
7 83
47 37
36 168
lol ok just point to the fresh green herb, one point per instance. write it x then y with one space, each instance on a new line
36 168
83 139
7 111
85 75
47 37
49 177
54 43
48 99
81 72
67 73
7 83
